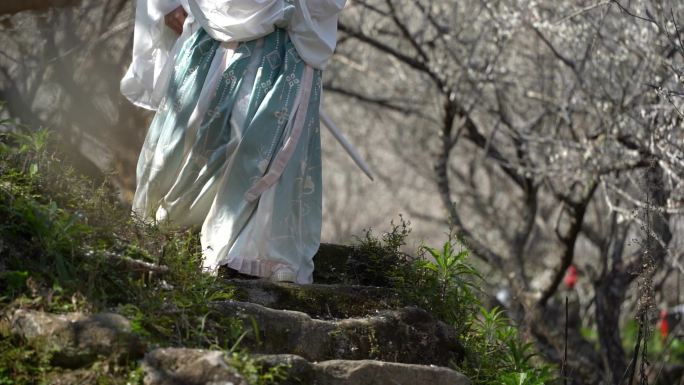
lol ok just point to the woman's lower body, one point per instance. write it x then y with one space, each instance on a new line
235 148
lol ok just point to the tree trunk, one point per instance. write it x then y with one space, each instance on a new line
610 293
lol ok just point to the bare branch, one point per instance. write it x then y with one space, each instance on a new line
9 7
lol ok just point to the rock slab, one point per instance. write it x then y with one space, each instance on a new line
198 367
317 300
178 366
77 339
407 335
369 372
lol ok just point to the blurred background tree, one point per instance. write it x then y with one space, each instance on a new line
60 68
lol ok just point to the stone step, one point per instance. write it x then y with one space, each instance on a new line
77 339
407 335
386 348
199 367
317 300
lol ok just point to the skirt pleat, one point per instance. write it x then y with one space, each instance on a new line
228 112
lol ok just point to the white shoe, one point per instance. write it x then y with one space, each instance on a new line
283 274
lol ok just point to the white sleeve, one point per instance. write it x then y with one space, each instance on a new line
323 9
152 46
311 25
313 29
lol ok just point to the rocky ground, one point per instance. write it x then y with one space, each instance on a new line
323 334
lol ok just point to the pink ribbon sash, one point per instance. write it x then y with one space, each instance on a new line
285 154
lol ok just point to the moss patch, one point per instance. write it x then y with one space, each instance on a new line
318 301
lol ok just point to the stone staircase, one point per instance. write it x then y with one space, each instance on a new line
325 334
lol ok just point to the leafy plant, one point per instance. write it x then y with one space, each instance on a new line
379 261
444 282
541 377
496 354
254 372
448 284
22 364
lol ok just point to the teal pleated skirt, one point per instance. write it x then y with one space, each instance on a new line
234 149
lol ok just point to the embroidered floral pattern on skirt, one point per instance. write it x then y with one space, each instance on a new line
235 148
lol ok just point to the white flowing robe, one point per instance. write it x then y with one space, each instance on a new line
255 248
311 25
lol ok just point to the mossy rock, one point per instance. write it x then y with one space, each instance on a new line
318 301
77 340
408 335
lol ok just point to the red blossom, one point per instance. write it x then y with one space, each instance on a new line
570 277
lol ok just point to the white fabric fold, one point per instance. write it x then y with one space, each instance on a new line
153 45
311 25
239 20
313 30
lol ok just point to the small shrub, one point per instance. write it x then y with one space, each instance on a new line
254 372
379 261
22 364
442 281
446 285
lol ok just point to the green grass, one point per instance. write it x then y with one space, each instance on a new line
67 244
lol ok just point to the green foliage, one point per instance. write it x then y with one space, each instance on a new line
13 283
444 282
135 376
44 230
447 285
539 377
67 244
255 373
438 280
496 354
670 349
379 261
24 363
20 364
